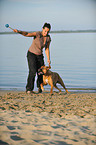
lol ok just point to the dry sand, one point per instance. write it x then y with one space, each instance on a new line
42 119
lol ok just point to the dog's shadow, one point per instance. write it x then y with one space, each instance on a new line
55 93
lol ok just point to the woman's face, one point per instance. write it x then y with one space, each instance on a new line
45 31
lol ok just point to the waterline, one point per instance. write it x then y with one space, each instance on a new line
58 31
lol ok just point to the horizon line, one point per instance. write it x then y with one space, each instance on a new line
57 31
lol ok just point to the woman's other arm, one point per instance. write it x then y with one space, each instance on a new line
47 52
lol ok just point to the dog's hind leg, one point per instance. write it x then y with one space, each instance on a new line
57 88
50 82
62 84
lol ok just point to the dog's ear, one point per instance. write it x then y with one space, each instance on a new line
48 67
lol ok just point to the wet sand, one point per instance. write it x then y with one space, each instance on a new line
42 119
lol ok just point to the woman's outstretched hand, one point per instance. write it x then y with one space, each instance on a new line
15 30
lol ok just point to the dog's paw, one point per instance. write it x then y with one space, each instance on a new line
59 93
67 91
42 89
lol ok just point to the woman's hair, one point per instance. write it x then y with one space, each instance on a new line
47 25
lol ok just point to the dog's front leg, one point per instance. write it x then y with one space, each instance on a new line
51 89
42 87
51 84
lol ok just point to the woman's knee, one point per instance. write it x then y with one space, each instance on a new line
32 73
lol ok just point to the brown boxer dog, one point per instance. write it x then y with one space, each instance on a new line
51 78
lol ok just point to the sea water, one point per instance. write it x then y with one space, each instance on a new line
73 56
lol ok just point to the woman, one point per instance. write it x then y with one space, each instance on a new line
35 56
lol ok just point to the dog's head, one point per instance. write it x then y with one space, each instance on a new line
44 69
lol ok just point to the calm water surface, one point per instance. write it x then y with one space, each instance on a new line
73 56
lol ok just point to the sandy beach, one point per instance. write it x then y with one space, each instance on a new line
42 119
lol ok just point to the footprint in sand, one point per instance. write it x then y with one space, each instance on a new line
16 138
3 143
11 127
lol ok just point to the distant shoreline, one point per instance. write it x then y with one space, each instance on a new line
59 31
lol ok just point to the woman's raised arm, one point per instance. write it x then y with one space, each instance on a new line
26 34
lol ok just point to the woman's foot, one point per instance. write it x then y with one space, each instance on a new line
30 92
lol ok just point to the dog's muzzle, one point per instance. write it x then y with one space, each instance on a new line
40 72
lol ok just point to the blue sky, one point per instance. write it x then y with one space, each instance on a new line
30 15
